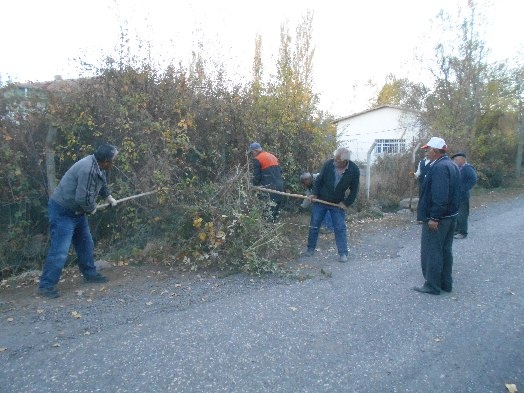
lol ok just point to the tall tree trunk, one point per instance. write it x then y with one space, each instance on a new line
50 159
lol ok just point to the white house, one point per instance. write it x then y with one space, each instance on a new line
388 129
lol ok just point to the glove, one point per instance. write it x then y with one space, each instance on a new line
112 201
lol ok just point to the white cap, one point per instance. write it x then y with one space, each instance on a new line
436 143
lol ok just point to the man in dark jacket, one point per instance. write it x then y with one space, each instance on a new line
268 174
337 182
438 209
74 197
468 178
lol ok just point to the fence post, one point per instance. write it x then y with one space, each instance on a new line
368 169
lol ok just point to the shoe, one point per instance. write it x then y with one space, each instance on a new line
309 253
446 289
425 289
343 258
50 293
96 278
459 236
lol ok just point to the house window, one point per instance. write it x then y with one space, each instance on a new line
390 146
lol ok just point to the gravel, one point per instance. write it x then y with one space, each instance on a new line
352 327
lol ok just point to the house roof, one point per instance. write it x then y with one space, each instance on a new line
375 109
56 85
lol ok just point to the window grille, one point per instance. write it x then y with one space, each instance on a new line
390 146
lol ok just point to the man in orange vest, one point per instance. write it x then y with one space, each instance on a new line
268 174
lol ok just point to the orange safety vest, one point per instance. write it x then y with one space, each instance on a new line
266 160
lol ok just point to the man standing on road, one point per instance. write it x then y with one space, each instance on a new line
468 178
438 209
268 174
74 197
337 182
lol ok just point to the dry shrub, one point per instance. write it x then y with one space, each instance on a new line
390 180
218 225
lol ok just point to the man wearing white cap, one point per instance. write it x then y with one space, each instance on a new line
438 209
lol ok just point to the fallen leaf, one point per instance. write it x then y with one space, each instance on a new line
293 308
512 388
3 349
55 345
149 303
39 311
437 339
87 333
75 314
10 319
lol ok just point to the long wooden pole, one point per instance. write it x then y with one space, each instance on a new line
104 205
295 196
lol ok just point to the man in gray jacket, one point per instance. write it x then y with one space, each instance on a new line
74 198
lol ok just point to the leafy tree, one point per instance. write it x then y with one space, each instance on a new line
472 103
403 93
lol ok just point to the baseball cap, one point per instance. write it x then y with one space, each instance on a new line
436 143
254 146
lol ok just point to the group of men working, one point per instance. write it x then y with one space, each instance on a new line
337 184
443 207
444 196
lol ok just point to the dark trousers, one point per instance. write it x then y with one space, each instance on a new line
462 219
273 205
436 254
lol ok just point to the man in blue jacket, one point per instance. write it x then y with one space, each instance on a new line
337 182
468 178
438 209
74 198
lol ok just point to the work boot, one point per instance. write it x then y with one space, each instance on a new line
95 278
309 253
50 293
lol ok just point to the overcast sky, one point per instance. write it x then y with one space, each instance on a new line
355 41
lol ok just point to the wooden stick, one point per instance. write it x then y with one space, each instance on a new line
295 196
104 205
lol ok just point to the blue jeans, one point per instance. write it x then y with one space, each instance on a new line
66 228
338 216
328 222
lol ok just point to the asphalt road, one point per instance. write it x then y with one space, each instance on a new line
358 328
